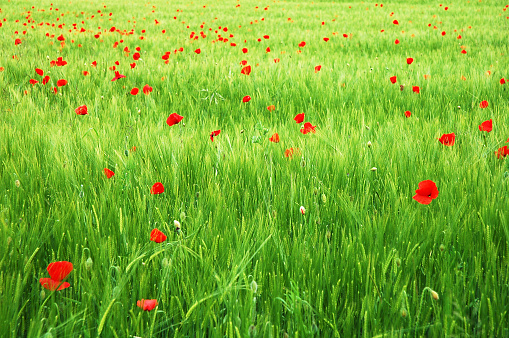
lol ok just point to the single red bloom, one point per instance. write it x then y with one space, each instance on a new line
81 110
147 304
486 126
117 76
266 37
85 73
299 118
243 62
33 82
463 52
197 51
395 22
244 50
502 152
393 79
117 63
45 79
133 65
17 42
308 127
61 38
39 72
427 192
443 33
302 44
483 104
157 188
267 50
408 113
325 39
94 64
109 173
147 89
447 139
502 81
214 133
59 270
396 42
317 68
134 91
276 60
271 107
345 35
246 70
174 119
416 89
53 285
409 61
136 56
246 98
55 90
61 83
274 138
157 236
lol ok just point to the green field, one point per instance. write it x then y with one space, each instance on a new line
362 258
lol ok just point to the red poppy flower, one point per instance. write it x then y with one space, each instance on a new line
94 64
416 89
246 70
443 33
463 52
308 127
174 119
109 173
447 139
302 44
408 113
33 82
243 62
214 133
396 42
274 138
502 81
17 42
81 110
136 56
246 98
117 76
271 107
483 104
147 89
197 51
409 61
299 118
39 71
58 271
291 151
61 38
325 39
157 236
267 50
134 91
486 126
132 65
395 22
45 79
427 192
393 79
55 90
266 37
244 50
147 304
502 152
317 68
85 73
157 188
61 82
276 60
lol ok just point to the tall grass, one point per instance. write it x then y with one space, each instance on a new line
364 260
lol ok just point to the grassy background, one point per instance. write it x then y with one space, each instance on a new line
364 258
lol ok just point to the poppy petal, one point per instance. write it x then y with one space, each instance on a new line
59 270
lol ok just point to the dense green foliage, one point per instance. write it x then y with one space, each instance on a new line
364 260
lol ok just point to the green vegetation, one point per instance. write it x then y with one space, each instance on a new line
365 259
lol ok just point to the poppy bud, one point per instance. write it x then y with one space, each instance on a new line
17 183
89 263
369 144
373 169
398 262
434 295
442 247
177 225
253 286
403 312
302 210
43 294
165 262
324 198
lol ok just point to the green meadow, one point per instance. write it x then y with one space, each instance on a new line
318 234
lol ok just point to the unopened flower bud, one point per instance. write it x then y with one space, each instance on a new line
253 286
302 210
434 295
17 183
324 198
369 144
442 247
373 169
89 263
177 225
403 312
